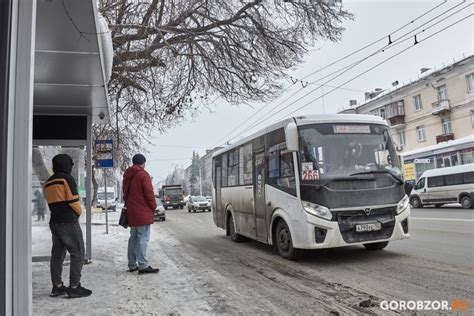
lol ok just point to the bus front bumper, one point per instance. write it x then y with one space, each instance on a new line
320 233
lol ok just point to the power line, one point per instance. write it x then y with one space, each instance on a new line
349 67
376 41
366 71
343 58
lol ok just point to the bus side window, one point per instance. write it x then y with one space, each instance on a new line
281 172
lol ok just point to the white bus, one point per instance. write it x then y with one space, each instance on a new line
311 182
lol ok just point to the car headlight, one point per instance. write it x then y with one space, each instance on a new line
403 204
317 210
195 204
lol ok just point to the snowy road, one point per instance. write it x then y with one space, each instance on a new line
249 277
202 271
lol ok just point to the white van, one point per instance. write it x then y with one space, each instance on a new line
445 185
111 199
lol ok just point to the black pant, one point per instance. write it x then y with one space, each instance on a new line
67 236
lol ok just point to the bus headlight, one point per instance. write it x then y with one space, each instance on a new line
317 210
403 204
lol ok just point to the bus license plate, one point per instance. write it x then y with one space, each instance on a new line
368 227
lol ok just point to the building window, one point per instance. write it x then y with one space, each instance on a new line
472 118
447 126
442 93
417 101
470 82
382 113
420 132
401 139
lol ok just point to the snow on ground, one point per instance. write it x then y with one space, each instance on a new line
117 291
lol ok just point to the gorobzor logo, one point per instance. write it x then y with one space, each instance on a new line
458 305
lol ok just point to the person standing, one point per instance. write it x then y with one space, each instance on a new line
63 200
40 207
140 202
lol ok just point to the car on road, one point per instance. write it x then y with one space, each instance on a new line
160 212
198 203
111 199
445 185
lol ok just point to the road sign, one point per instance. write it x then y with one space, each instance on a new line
104 149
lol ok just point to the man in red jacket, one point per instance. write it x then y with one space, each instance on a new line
140 202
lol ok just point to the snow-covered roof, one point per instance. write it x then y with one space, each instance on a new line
434 72
467 141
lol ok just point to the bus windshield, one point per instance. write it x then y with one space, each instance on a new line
331 151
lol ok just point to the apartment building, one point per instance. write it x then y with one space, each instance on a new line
431 119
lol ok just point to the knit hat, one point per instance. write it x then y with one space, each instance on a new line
138 159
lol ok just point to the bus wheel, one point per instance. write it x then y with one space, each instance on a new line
233 234
376 245
415 202
466 202
284 243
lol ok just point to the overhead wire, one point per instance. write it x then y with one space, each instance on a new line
333 63
400 41
371 68
344 69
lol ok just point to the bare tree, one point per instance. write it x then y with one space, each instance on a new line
172 56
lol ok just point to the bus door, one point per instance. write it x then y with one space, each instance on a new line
259 195
218 212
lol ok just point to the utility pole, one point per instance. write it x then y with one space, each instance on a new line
200 180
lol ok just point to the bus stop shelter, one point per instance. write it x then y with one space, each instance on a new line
56 58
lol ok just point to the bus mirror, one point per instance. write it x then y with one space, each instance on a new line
291 135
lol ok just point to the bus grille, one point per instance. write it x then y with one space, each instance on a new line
348 220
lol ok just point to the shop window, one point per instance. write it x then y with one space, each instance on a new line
467 157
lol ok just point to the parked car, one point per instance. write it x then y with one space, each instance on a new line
445 185
198 203
111 199
160 212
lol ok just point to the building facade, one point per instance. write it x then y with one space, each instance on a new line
431 119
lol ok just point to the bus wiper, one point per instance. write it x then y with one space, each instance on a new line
399 180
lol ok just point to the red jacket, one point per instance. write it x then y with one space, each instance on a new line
140 200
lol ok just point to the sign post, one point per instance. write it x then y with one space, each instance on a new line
104 160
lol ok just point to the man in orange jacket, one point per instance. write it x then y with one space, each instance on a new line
63 200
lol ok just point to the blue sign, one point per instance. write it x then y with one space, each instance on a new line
104 149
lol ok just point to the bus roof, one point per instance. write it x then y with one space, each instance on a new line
306 120
448 170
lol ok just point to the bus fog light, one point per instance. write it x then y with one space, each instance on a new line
403 204
317 210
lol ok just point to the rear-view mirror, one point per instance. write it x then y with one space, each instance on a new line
291 135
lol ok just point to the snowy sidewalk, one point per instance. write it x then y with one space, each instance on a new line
117 291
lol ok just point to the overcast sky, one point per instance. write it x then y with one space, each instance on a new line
372 21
